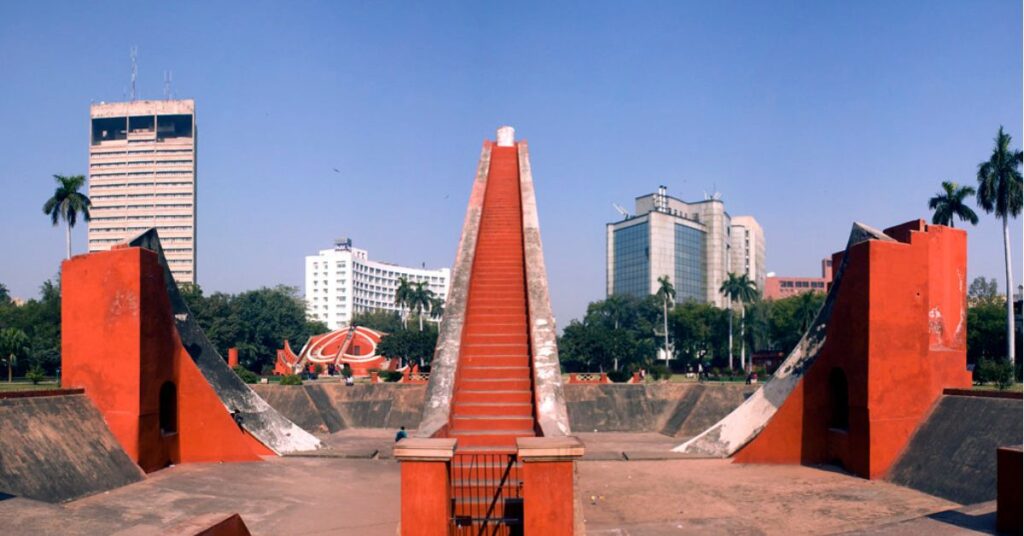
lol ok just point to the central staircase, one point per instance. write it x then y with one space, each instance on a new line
493 395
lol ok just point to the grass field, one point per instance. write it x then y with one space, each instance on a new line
22 385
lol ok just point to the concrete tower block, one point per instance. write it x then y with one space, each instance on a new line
506 136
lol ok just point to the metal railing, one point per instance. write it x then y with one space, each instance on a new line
487 495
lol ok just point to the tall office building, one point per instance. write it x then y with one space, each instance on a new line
691 243
748 250
343 281
142 174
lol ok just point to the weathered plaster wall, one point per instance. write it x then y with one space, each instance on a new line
676 409
894 336
547 379
446 355
57 448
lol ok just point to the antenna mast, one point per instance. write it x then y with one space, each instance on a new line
167 85
135 69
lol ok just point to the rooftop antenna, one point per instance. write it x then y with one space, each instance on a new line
618 208
167 85
135 69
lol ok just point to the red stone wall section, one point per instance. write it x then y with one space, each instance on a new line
896 339
119 342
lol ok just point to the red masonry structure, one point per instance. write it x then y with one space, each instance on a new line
896 339
119 342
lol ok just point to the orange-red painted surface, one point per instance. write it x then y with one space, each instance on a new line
897 335
119 342
548 497
493 390
426 501
232 357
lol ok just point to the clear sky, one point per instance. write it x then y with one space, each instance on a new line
808 115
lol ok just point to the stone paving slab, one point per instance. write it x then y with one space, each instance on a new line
346 496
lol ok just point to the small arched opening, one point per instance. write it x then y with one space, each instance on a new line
839 395
168 408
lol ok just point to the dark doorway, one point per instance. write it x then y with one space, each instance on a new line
839 396
168 408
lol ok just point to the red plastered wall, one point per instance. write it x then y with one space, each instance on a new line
897 333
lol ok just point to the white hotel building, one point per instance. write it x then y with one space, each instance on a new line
343 281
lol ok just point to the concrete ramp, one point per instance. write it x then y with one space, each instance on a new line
741 426
57 447
953 454
272 429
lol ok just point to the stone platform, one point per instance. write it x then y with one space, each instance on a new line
356 492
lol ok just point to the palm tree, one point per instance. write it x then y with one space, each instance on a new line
13 341
402 294
999 191
419 300
949 205
436 308
739 289
667 293
67 202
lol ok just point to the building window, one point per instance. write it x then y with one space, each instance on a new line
631 261
689 263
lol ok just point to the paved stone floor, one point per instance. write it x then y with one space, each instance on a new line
354 488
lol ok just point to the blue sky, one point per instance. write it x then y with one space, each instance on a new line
807 115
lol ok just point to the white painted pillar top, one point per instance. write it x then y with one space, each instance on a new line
506 136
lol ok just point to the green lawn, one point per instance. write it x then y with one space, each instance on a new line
1017 387
24 385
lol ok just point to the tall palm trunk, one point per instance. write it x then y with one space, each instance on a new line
67 238
743 338
420 314
664 316
730 337
1010 346
10 368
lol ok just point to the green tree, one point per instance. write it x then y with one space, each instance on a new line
436 308
984 292
986 332
696 328
402 295
740 290
383 321
667 294
999 192
66 204
419 300
39 319
257 322
409 346
790 317
5 295
13 342
949 205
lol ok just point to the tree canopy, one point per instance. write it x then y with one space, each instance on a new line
950 204
257 322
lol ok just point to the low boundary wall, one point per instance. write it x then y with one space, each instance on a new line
675 409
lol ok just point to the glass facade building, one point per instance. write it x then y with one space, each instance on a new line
696 245
689 261
632 260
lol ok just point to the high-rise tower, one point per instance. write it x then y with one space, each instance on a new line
142 174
